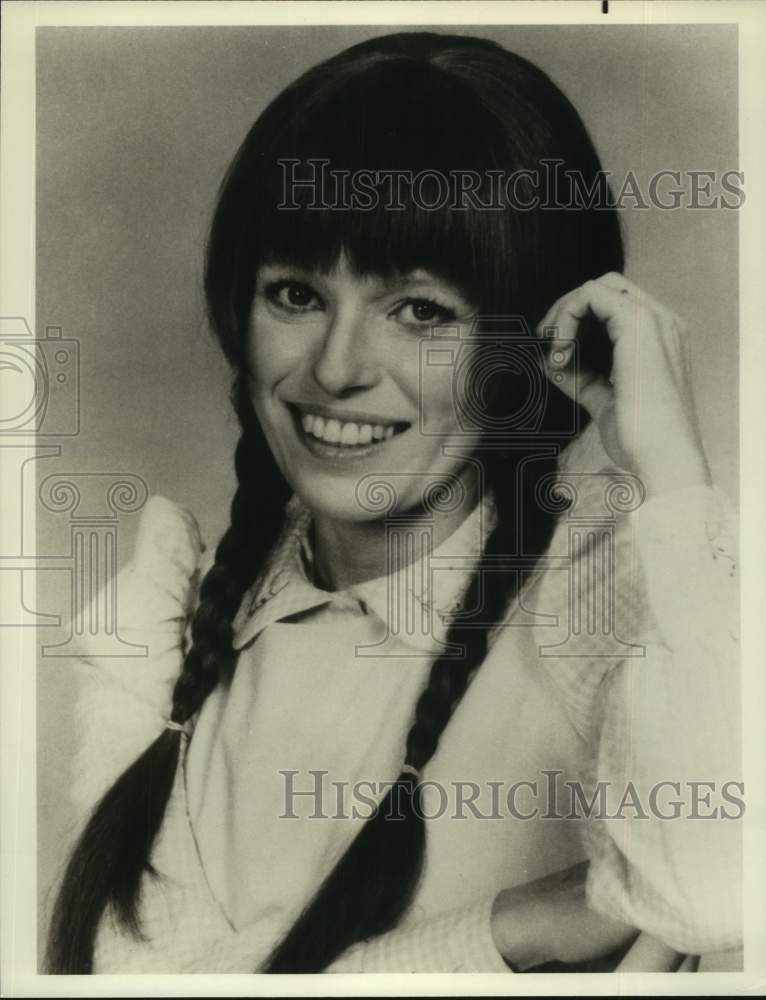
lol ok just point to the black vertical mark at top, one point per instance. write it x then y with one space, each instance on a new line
604 6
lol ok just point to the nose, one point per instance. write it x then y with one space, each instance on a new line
344 363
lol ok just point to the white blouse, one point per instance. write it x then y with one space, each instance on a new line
613 679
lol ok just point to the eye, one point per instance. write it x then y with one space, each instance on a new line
423 312
292 296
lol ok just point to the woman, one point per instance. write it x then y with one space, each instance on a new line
380 484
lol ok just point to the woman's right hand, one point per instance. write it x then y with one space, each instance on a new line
549 920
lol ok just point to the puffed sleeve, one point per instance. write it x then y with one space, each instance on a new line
122 703
666 850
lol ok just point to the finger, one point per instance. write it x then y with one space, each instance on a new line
559 344
619 283
617 312
623 286
562 368
560 328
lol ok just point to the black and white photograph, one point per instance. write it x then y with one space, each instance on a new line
376 455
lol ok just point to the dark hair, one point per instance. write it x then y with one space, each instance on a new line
424 100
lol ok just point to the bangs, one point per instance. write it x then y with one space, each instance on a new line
396 155
373 170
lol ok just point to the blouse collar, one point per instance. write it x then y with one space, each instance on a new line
411 601
287 588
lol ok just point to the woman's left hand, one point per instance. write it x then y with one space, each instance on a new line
645 414
550 920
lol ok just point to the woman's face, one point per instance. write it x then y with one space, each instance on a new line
345 389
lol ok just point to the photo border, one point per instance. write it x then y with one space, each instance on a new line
18 653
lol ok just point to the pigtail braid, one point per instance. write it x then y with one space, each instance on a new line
373 884
450 675
239 556
113 852
514 492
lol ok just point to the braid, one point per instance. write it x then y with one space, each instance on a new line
113 852
373 884
238 557
449 676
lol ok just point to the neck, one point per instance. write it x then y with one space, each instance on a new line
351 552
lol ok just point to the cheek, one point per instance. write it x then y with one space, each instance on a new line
273 352
443 377
438 398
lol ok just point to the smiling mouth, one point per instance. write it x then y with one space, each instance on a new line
329 437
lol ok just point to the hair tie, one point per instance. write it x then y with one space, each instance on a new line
178 727
409 769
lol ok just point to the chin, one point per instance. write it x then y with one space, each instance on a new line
343 499
336 501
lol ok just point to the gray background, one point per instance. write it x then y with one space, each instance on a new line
135 129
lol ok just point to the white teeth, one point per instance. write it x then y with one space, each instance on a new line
349 434
345 434
332 431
